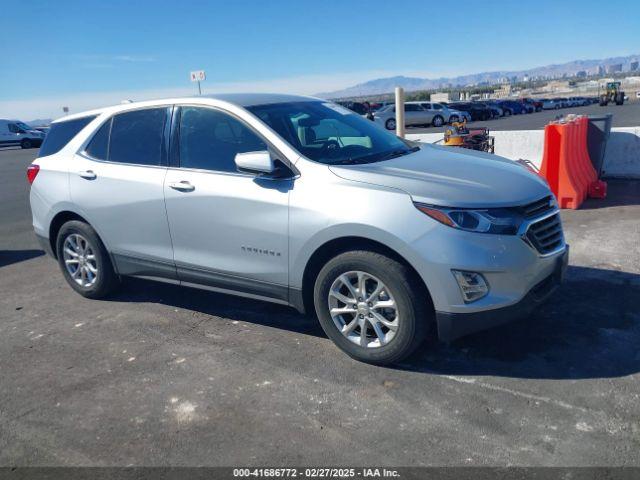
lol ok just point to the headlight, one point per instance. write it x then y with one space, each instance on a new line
501 221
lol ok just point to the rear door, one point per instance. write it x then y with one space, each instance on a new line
118 182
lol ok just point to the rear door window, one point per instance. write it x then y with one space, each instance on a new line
137 136
61 133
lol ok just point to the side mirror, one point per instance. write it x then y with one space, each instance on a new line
255 162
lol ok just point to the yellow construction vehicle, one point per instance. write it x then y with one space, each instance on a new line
458 135
612 94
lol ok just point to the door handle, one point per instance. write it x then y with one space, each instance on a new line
182 186
88 174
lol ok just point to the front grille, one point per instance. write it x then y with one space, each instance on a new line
537 208
546 235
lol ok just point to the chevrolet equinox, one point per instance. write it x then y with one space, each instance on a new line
299 201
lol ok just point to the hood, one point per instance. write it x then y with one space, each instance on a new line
452 177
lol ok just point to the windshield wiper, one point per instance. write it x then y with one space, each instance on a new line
399 153
376 157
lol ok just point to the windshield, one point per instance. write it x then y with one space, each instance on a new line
330 134
23 126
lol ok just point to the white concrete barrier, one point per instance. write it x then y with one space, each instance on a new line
621 159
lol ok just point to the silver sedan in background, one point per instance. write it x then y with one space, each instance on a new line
414 115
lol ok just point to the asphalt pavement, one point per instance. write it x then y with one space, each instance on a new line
163 375
627 115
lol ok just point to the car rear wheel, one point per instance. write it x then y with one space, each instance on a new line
437 121
26 143
371 306
507 112
84 261
390 124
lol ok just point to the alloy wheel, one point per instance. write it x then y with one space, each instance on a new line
363 309
80 260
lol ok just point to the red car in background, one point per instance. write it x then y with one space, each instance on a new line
531 104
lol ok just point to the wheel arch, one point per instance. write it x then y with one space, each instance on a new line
56 223
336 246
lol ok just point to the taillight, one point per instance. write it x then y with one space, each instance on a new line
32 172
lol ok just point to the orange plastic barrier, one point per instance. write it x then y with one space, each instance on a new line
566 164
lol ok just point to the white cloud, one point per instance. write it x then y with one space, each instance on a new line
51 106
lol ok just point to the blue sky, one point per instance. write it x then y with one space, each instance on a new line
90 53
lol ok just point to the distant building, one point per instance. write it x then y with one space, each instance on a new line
445 97
599 70
503 92
581 74
616 67
633 66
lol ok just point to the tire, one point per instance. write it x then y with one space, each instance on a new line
390 124
98 279
437 121
26 143
453 119
400 287
507 112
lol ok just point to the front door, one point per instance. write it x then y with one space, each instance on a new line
229 229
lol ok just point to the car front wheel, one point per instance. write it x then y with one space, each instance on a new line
371 306
390 124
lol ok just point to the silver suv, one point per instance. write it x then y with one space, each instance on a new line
302 202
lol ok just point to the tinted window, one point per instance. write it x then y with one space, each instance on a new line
436 106
412 108
99 145
13 128
61 133
210 139
136 137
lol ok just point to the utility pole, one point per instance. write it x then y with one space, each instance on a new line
400 112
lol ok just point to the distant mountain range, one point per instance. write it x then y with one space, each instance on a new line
387 85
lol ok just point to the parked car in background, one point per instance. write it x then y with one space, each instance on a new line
496 110
535 104
477 111
375 106
408 241
15 132
562 101
512 107
449 115
414 116
361 108
550 104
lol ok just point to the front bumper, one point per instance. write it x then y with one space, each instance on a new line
455 325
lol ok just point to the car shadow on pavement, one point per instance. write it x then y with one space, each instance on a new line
589 328
8 257
230 307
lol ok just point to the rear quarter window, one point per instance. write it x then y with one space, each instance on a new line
61 133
